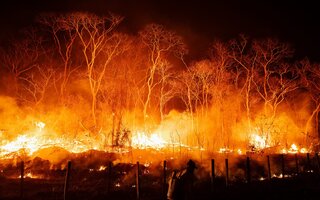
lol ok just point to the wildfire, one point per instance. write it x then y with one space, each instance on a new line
31 175
142 141
29 144
258 142
227 150
294 149
32 141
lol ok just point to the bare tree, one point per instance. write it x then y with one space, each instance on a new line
99 44
273 77
188 92
202 79
221 90
243 69
35 85
64 39
265 76
160 43
22 56
167 81
310 76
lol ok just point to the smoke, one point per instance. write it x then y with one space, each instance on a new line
11 116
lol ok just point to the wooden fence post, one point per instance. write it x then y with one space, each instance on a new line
269 167
297 163
308 163
248 170
282 165
21 179
318 161
138 181
109 174
227 172
66 183
212 174
164 187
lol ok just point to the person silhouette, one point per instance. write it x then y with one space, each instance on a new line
181 183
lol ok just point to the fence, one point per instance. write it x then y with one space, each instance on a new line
227 170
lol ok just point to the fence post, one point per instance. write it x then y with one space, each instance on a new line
21 179
297 163
318 162
66 183
269 167
212 174
109 172
138 181
248 170
164 179
282 165
308 163
227 172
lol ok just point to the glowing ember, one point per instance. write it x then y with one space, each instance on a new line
102 168
239 151
225 150
30 175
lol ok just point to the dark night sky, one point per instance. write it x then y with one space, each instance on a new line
198 21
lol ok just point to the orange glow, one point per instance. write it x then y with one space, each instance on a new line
32 141
141 141
294 149
93 88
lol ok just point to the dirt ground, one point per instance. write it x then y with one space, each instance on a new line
95 187
88 182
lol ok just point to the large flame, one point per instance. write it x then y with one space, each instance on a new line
166 137
33 141
142 141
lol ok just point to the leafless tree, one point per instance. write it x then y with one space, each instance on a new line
35 85
243 71
166 86
274 78
21 56
265 75
65 43
161 43
310 76
99 44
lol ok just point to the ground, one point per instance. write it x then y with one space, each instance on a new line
90 182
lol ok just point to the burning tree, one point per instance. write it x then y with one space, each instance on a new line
267 77
99 44
160 43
